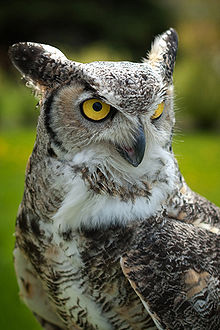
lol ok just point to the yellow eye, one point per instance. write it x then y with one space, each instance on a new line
95 109
158 111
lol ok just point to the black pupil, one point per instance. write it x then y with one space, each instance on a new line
97 106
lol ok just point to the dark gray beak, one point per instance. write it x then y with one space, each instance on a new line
135 153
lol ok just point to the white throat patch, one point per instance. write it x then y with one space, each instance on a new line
83 207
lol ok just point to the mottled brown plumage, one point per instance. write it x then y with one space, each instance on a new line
108 234
174 268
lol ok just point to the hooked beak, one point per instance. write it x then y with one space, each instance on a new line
135 153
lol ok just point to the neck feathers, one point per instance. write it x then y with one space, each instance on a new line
101 196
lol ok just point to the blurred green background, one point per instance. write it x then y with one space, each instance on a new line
107 30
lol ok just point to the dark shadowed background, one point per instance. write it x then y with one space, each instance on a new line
107 30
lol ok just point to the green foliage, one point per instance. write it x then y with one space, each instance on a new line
121 24
197 82
199 159
17 104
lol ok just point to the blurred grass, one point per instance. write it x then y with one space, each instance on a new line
14 150
199 159
198 155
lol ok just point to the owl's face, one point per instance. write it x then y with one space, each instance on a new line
112 111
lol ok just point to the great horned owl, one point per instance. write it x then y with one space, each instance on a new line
108 234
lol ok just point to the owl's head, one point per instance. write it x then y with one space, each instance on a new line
116 112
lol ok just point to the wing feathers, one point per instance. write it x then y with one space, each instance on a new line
175 269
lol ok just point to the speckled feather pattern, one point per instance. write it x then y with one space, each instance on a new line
101 244
178 285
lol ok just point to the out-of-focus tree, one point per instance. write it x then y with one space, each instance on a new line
198 68
121 25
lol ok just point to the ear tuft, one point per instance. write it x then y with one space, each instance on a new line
39 63
163 53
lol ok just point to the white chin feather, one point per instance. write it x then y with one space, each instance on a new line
83 207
